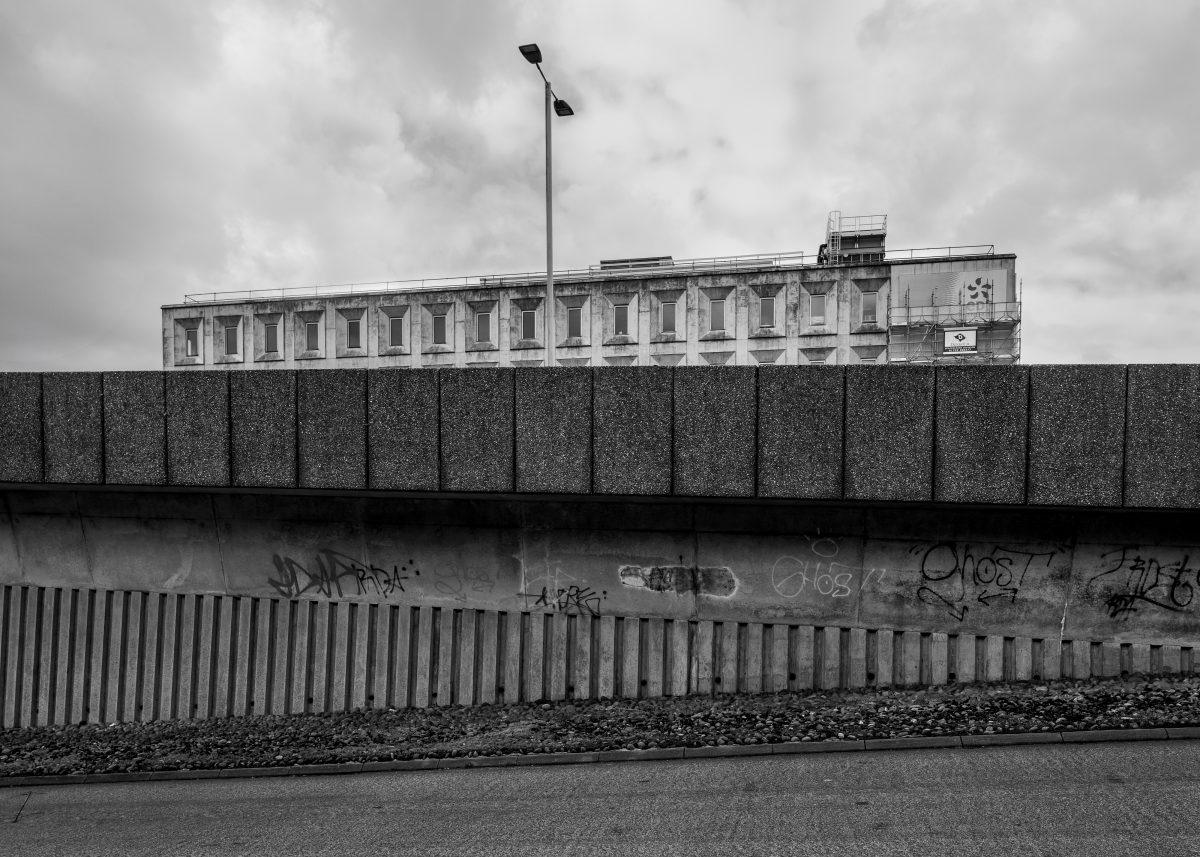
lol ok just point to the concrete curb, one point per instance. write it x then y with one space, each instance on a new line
1177 733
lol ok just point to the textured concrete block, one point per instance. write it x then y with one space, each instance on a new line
982 419
332 413
476 408
889 433
800 431
1162 466
631 418
402 419
263 427
73 420
554 429
198 428
1076 435
715 432
135 428
21 427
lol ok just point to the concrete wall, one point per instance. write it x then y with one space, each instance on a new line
1101 436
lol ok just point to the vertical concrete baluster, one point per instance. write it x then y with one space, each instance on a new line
831 667
558 656
729 659
205 609
445 671
858 657
185 668
655 638
223 648
379 619
339 672
1081 659
910 659
117 629
318 646
1110 654
1170 659
582 658
679 657
803 655
80 667
403 681
1052 649
700 666
995 657
358 676
46 657
1023 658
298 656
466 658
753 661
8 655
535 642
488 656
513 658
606 665
242 690
151 662
939 666
885 642
1141 658
631 658
65 611
263 666
965 668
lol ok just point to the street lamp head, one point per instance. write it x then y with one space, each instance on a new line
562 108
532 53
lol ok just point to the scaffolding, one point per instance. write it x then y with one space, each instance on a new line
916 334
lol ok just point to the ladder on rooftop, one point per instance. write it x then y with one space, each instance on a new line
833 237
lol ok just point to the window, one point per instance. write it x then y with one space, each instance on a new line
231 339
816 308
439 329
869 302
574 322
271 337
311 336
621 320
817 360
191 342
352 333
396 331
668 317
483 327
716 315
528 318
766 312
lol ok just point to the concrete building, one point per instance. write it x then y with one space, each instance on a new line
853 302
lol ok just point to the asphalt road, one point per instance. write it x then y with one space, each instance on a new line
1092 799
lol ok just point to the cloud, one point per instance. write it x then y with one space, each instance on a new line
160 149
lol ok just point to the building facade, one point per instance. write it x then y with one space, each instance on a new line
785 309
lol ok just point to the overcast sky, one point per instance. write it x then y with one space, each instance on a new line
151 149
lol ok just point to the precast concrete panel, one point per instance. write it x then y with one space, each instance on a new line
981 425
135 428
1076 435
21 427
402 421
332 428
554 429
476 416
632 419
198 428
715 431
73 425
1162 449
263 427
889 433
800 431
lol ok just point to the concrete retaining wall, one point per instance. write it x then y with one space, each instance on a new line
1103 436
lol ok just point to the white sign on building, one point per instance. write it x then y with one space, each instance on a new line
959 340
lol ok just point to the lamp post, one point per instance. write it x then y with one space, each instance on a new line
533 53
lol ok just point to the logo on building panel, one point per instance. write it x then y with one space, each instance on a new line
959 340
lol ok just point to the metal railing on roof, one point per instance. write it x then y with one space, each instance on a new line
955 315
710 264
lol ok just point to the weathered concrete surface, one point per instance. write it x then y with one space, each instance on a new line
1076 435
332 428
632 423
554 429
135 428
476 416
403 429
21 427
800 432
1114 576
263 409
198 428
982 419
889 433
715 419
1162 450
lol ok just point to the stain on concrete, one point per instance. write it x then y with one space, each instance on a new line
715 581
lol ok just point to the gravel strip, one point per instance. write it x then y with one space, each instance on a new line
373 735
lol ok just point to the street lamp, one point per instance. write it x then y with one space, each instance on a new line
533 53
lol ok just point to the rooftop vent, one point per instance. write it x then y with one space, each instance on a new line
633 264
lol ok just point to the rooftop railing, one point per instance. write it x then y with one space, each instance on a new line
956 314
710 264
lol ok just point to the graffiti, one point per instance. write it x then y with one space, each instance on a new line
957 576
820 574
577 600
1132 580
459 583
335 574
680 579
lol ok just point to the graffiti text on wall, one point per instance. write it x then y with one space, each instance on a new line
333 574
578 600
820 574
1132 580
956 576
